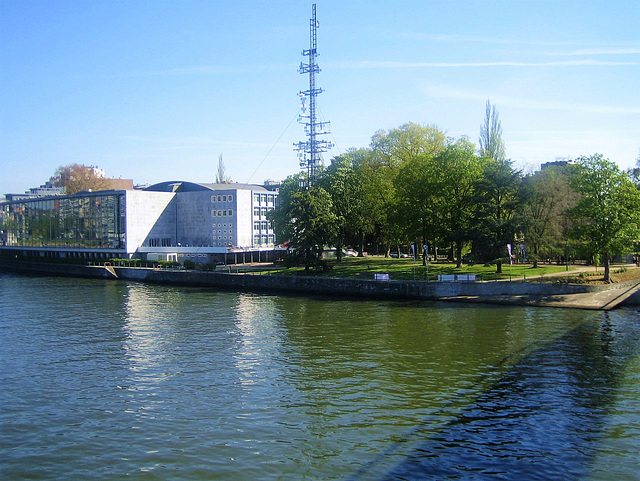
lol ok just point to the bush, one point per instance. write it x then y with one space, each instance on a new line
298 259
187 264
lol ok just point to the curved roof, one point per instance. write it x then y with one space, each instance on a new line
182 186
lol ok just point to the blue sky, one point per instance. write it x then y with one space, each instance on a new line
156 90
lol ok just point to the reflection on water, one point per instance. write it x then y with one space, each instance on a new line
111 380
542 420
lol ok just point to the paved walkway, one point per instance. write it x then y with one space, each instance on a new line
603 300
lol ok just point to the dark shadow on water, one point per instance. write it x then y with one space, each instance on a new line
542 420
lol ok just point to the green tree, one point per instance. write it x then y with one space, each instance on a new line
415 206
607 215
405 148
305 220
458 171
376 185
397 146
547 197
496 218
346 188
491 143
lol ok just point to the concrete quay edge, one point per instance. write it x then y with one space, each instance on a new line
576 296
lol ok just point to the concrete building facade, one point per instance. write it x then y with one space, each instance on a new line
167 221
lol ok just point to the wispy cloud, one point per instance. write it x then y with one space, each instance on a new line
201 70
455 38
443 91
604 51
190 142
409 65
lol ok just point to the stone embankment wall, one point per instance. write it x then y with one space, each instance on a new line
314 285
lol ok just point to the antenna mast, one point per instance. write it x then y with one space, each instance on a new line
309 151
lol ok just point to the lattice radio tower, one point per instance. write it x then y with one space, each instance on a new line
309 151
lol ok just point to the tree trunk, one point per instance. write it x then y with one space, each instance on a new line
459 255
607 268
361 251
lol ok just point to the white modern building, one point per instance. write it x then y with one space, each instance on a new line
167 221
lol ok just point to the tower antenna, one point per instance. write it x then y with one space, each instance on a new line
309 151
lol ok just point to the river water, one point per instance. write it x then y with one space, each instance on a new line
116 380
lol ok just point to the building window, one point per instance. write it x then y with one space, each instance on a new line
230 212
154 242
166 242
230 198
213 213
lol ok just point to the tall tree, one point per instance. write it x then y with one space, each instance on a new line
306 220
415 205
546 199
459 170
77 178
221 173
491 143
346 188
405 147
634 173
496 218
399 145
607 215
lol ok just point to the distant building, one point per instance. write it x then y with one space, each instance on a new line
171 220
45 190
48 189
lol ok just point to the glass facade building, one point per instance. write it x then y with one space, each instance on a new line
211 222
87 221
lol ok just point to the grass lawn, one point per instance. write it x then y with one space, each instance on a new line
405 269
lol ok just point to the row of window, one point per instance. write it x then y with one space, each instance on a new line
264 225
222 213
222 198
266 199
164 242
264 239
261 211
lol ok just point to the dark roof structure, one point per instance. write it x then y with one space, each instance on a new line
182 186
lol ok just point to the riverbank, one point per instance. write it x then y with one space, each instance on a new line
579 296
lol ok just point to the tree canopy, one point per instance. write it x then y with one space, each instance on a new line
607 214
306 220
414 185
77 178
